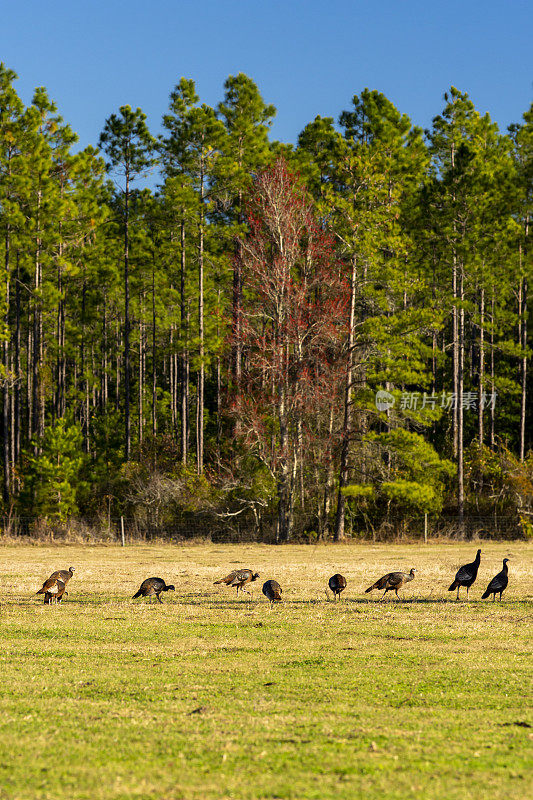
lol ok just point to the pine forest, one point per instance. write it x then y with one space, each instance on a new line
211 333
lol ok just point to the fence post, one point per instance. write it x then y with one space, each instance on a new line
122 531
425 528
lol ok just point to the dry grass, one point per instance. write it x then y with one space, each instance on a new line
210 697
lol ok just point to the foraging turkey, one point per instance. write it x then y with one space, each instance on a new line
153 586
272 591
392 581
55 592
239 578
50 586
498 583
337 584
466 575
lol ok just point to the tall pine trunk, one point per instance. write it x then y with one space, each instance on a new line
522 312
338 533
127 421
142 364
455 335
481 375
236 355
104 383
154 353
219 379
184 325
6 405
459 402
492 375
37 343
523 400
17 433
201 367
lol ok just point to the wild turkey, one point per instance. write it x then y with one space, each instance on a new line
498 583
466 575
272 591
55 592
153 586
239 578
337 584
392 581
50 585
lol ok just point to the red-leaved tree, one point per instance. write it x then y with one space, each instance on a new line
294 317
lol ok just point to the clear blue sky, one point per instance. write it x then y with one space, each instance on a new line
308 57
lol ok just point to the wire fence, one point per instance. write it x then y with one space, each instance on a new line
125 530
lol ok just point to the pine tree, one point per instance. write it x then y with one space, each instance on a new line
522 137
53 478
129 147
464 216
11 223
247 119
366 179
191 150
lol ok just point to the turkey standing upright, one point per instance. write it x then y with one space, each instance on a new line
498 583
466 575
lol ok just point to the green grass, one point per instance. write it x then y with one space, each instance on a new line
209 696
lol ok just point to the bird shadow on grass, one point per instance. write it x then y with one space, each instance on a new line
364 602
249 604
215 602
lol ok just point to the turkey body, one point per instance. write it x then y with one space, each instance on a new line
498 584
466 575
392 581
239 578
272 591
63 574
153 586
337 584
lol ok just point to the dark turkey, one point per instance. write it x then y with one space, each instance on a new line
337 584
466 575
392 581
272 591
498 583
153 586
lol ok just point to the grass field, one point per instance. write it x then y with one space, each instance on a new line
210 697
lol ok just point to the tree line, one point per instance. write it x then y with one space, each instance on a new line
325 338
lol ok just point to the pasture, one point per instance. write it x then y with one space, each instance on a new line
212 697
